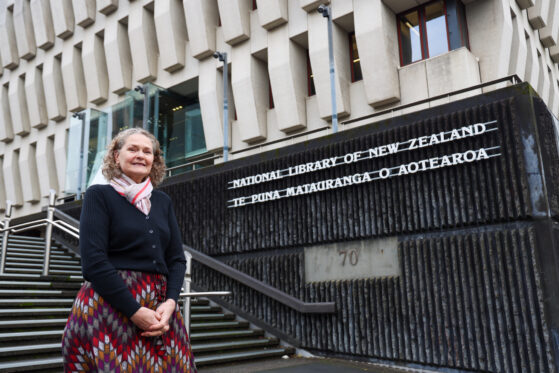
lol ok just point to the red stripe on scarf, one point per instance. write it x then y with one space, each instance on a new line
140 192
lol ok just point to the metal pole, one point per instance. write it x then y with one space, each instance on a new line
327 12
48 233
186 301
5 236
225 109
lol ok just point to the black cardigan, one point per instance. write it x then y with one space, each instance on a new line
115 235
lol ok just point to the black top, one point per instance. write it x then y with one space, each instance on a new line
114 235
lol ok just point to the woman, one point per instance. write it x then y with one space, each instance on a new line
125 317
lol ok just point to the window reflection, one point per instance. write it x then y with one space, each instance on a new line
88 137
431 30
176 122
410 37
436 29
127 113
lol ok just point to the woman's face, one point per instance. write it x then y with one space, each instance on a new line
135 158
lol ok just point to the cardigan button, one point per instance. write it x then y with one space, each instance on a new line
153 246
147 217
155 262
151 231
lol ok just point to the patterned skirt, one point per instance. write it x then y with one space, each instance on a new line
97 338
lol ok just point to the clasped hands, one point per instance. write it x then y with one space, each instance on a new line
154 323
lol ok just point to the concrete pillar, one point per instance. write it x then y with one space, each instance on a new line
201 23
171 33
318 53
73 78
6 129
342 13
377 42
537 14
13 179
451 72
2 185
310 5
258 38
56 97
63 18
554 100
272 13
29 175
543 81
235 20
42 23
107 6
84 12
35 94
549 34
8 45
525 4
297 22
119 58
60 154
18 106
46 165
248 79
95 68
413 80
493 40
519 51
287 67
25 36
554 53
141 30
210 94
531 74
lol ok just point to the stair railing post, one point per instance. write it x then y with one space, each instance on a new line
186 301
48 233
5 236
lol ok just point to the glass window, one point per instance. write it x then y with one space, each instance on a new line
97 139
310 77
410 38
88 137
355 61
74 148
127 113
176 122
435 23
431 30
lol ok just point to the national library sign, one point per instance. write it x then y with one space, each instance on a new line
434 233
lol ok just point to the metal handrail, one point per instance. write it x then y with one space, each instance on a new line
261 287
47 222
67 221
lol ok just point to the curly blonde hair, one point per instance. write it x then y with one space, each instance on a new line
112 170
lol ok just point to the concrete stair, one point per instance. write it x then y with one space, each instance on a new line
34 310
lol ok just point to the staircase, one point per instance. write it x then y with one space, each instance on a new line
34 310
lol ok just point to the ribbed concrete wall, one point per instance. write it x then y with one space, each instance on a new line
477 243
466 299
62 56
492 191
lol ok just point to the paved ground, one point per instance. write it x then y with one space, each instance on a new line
306 365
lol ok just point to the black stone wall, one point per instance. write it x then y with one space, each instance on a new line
477 242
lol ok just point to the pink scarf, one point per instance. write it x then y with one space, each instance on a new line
136 194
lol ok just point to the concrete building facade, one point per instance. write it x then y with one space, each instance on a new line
65 57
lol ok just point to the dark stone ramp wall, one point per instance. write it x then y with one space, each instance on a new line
488 191
478 289
467 299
